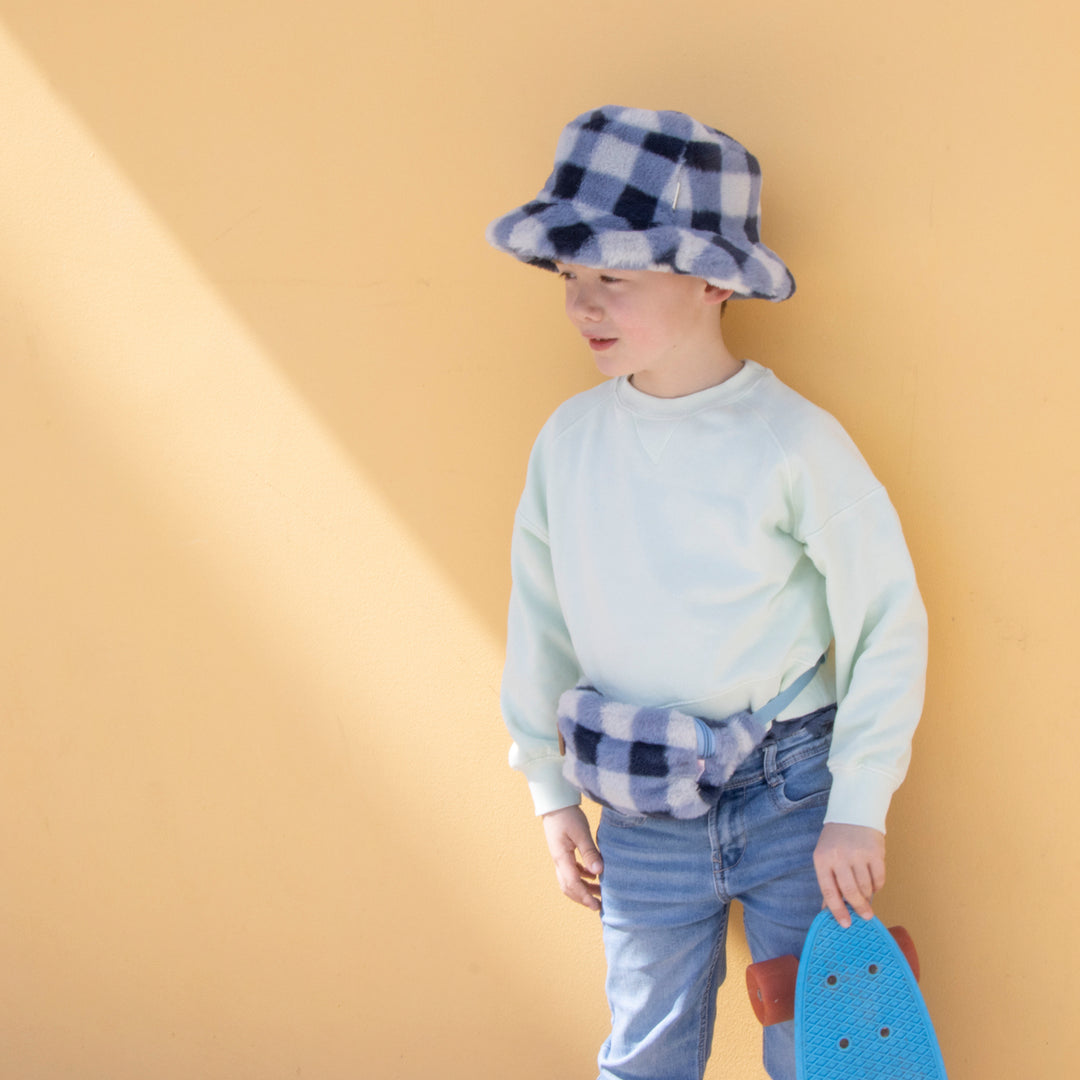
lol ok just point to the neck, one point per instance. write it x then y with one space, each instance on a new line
688 372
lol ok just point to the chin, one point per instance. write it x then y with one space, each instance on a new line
612 368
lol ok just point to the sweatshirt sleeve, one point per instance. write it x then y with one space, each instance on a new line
880 641
540 659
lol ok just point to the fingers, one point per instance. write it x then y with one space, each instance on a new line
850 864
576 881
577 861
838 890
577 884
575 829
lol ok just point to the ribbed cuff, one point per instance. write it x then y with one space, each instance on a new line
549 790
860 797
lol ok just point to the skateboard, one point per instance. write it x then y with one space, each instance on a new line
855 999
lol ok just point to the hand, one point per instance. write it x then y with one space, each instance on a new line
850 865
567 831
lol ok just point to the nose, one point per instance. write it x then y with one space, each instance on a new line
582 303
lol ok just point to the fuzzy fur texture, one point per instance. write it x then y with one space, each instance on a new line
645 760
634 189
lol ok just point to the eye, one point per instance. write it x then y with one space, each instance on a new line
566 275
607 279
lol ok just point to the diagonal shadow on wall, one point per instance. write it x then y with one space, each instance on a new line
330 171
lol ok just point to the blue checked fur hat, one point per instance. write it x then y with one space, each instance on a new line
634 189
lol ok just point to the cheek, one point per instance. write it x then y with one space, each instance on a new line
643 331
632 322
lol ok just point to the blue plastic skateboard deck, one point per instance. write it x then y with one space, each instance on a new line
858 1009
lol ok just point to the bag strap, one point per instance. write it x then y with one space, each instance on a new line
772 709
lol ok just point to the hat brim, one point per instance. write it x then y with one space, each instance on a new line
545 231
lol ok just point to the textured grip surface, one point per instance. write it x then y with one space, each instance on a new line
858 1009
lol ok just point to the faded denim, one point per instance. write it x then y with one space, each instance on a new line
667 887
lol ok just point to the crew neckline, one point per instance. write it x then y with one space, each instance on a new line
642 404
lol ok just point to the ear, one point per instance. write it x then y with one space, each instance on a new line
715 295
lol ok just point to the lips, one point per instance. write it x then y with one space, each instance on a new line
599 344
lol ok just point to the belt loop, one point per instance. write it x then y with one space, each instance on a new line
768 764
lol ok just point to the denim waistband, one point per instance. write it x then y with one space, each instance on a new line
790 737
817 722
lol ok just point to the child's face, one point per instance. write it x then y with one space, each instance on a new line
641 322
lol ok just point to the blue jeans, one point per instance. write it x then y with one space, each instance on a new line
667 888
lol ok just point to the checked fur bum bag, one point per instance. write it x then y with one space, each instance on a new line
645 760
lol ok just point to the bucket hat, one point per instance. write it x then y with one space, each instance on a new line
634 189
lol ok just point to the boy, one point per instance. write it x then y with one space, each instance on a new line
692 537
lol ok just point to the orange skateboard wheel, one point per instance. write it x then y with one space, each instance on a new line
907 947
771 986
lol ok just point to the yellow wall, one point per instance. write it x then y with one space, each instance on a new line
265 403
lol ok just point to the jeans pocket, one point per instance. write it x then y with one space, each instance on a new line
802 779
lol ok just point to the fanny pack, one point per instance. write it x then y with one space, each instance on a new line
644 760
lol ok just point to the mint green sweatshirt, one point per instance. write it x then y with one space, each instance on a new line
702 552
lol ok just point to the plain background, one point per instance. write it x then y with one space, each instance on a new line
266 398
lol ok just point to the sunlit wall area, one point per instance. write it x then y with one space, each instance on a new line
265 403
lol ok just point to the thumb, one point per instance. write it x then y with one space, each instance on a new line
590 855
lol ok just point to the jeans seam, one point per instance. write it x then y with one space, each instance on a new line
711 986
777 789
783 758
720 871
793 757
